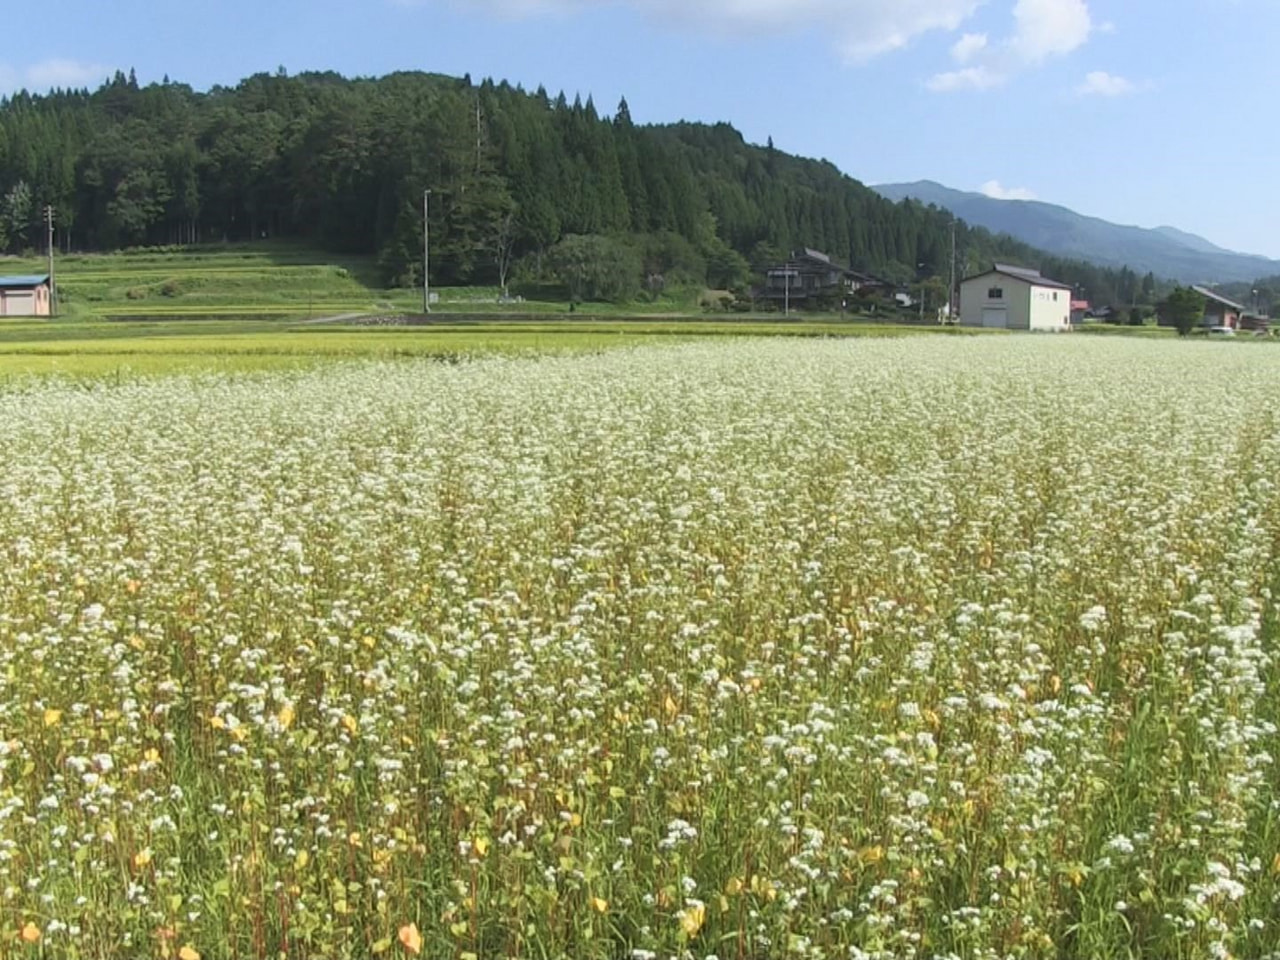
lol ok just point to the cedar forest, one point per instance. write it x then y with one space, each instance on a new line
526 187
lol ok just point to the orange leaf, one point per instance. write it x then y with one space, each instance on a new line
411 939
188 953
30 932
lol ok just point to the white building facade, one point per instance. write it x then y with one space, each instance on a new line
1015 298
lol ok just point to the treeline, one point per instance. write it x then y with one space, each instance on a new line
514 176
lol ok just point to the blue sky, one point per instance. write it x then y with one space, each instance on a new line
1141 111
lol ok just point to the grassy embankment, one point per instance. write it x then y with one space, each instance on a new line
135 313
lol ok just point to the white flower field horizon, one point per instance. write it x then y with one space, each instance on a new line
955 648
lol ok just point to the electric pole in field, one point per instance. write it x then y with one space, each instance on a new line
951 290
426 251
53 286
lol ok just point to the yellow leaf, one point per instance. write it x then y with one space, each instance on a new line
217 723
599 905
368 642
240 734
301 860
1275 866
285 717
871 854
52 718
733 887
142 858
671 706
188 952
411 939
152 755
481 846
691 919
575 820
350 723
30 932
382 946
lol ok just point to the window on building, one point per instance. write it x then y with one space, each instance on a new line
1055 296
995 293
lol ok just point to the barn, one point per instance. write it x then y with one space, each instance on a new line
1015 298
25 296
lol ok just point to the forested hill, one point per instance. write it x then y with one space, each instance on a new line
343 164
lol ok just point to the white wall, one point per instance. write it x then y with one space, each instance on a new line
975 300
1050 309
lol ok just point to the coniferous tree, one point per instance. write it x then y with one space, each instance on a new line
344 163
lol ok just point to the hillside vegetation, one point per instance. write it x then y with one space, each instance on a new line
342 164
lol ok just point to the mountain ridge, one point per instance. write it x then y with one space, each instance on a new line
1166 251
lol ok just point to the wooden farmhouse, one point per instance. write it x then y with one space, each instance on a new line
1219 311
812 276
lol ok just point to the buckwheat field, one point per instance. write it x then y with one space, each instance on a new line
955 648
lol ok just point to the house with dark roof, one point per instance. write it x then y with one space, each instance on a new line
1220 311
25 296
1015 298
811 278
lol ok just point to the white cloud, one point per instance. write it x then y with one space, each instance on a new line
1099 83
994 190
968 47
969 78
55 72
861 29
1050 28
1042 30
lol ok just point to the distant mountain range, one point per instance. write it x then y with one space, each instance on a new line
1167 252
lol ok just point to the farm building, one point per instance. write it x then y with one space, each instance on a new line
25 296
1015 298
811 275
1222 312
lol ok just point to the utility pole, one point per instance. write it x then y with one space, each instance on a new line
920 267
426 251
53 286
786 288
951 290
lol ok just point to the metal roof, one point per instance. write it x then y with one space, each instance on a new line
1032 277
1018 271
31 280
1206 292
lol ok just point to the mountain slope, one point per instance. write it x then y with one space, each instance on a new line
517 180
1164 251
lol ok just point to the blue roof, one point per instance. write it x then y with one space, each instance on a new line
32 280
